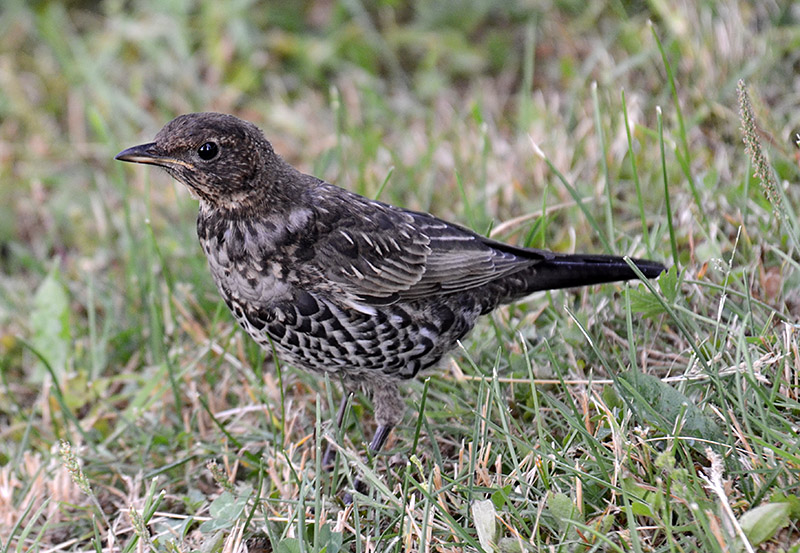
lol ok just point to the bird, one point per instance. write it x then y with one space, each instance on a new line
341 284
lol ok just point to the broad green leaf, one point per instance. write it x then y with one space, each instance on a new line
225 511
501 495
639 497
331 542
289 545
660 404
669 284
564 510
483 515
50 324
642 301
761 523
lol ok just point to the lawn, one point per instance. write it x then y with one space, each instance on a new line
136 416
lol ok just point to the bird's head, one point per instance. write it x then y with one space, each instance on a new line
222 159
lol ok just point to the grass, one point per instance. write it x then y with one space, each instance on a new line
135 415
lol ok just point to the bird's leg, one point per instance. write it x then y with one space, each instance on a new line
379 438
375 446
389 409
330 451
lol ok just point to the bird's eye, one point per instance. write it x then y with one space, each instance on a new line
208 151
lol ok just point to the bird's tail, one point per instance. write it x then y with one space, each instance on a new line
571 270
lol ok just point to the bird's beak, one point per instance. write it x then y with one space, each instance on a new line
150 154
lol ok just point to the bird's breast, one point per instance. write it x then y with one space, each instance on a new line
246 260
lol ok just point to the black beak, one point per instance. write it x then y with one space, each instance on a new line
150 154
144 153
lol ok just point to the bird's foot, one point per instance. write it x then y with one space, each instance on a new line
375 446
329 458
360 486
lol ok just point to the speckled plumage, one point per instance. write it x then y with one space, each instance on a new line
340 283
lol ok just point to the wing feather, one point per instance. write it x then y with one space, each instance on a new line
390 254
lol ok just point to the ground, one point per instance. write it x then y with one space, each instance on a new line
135 415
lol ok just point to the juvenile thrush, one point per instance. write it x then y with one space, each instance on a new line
339 283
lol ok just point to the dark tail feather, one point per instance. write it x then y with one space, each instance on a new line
570 270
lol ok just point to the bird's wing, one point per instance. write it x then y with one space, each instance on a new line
461 259
373 256
388 254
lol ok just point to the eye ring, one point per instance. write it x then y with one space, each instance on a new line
208 151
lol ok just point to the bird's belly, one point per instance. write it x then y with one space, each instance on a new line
320 335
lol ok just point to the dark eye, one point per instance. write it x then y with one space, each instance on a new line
208 151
